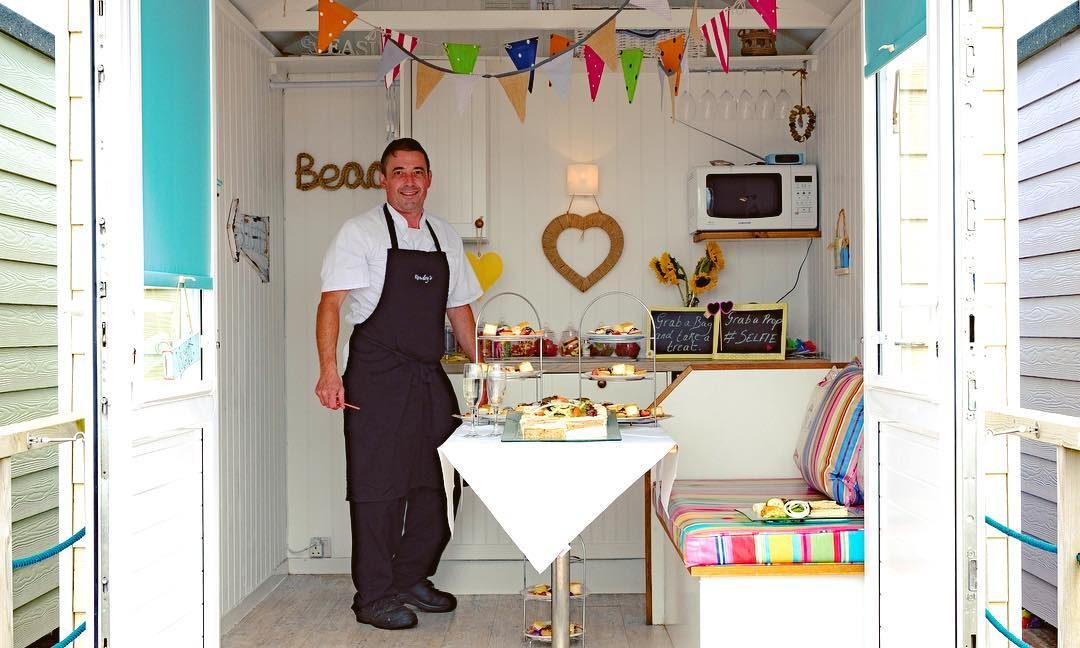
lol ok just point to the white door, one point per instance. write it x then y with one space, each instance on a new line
911 356
156 449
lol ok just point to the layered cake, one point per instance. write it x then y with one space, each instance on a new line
562 419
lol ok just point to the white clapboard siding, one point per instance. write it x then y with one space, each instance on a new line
28 317
835 92
251 315
1048 162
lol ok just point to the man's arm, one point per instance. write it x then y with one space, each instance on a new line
329 389
464 325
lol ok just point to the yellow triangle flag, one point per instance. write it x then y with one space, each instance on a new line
427 78
603 43
516 87
673 88
694 30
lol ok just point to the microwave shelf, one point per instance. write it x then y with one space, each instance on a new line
700 236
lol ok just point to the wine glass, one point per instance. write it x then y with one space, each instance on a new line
496 390
727 105
783 104
688 107
472 385
746 102
708 102
766 105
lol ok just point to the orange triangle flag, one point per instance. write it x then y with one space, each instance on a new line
516 87
333 19
671 53
603 43
427 78
559 44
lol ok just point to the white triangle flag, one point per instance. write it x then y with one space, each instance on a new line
558 72
464 84
661 74
684 78
392 56
661 7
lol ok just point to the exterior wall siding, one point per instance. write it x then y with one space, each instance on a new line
1049 174
251 316
28 319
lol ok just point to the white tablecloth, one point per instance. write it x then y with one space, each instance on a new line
544 494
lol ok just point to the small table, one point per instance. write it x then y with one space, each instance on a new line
514 480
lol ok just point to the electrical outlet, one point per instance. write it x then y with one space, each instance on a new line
320 548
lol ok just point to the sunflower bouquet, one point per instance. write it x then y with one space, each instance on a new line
691 286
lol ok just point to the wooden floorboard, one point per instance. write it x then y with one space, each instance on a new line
313 611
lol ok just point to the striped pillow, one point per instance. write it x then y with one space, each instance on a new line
830 453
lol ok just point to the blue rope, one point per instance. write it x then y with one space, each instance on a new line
71 637
1022 537
19 563
1017 641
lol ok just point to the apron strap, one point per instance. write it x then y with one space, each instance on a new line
393 231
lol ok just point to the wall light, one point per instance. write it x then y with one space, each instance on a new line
582 180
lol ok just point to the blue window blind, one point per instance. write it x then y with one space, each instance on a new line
891 26
176 142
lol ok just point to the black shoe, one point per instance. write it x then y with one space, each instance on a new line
386 613
424 596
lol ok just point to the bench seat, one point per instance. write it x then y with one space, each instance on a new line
705 527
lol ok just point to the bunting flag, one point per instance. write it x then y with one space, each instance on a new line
333 19
405 42
631 68
595 67
523 54
462 56
558 74
516 86
662 75
767 9
558 44
671 56
673 90
603 44
392 56
692 29
717 36
661 7
427 78
464 84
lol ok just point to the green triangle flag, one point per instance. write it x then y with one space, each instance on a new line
631 68
462 56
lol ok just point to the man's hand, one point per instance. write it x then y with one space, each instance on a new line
331 391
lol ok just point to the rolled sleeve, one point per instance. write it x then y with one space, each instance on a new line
464 286
345 266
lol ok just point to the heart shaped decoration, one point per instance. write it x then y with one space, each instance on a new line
726 307
550 238
712 308
488 268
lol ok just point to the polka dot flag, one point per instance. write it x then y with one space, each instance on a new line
631 68
333 19
767 9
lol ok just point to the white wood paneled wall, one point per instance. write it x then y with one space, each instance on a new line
643 161
835 94
252 321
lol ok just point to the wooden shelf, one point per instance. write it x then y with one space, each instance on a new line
756 234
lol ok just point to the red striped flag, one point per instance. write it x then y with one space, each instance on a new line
406 42
716 34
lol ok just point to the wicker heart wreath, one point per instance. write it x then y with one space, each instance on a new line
801 116
550 238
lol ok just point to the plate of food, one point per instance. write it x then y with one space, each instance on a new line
777 510
509 333
484 413
631 414
557 418
616 333
618 371
519 370
543 591
541 631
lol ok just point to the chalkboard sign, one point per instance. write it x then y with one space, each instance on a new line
682 332
753 332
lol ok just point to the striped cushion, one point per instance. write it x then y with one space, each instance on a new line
705 525
829 455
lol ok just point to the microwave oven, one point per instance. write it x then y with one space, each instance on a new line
757 197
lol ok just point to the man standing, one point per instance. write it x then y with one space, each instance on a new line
398 271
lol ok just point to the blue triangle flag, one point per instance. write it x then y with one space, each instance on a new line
523 54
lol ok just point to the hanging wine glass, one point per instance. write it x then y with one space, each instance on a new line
746 101
687 108
783 104
709 106
726 105
766 105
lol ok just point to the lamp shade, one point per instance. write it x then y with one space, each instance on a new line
582 180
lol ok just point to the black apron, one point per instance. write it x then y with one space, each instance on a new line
394 376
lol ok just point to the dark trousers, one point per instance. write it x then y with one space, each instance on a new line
397 543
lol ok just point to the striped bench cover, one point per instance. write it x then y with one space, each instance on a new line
702 519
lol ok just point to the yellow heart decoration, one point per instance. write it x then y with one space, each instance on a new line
488 268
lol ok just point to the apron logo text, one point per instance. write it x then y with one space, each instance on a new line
426 278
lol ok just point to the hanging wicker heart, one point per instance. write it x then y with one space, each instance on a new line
550 238
801 117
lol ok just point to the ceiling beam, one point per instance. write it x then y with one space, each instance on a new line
795 16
